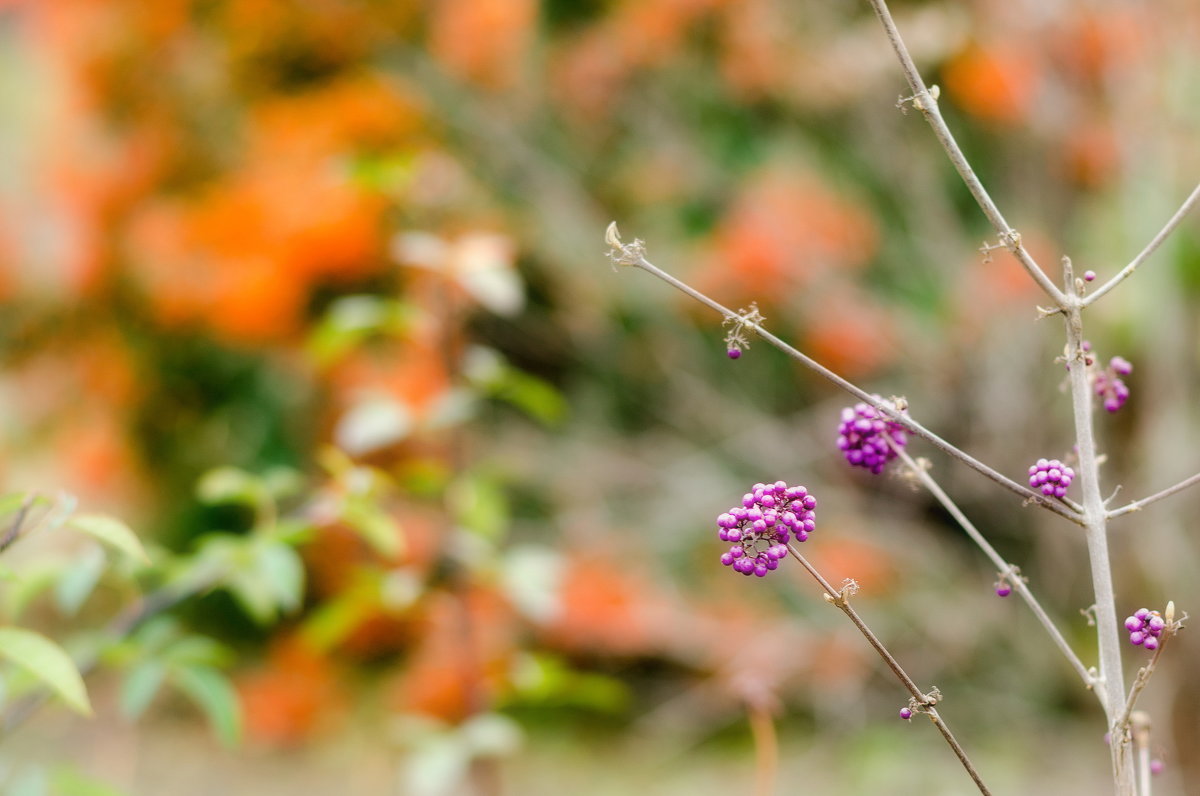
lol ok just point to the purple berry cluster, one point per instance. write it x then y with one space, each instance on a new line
1145 627
863 437
1110 387
1051 476
760 528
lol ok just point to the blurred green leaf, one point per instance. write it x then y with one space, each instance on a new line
140 686
214 694
112 532
231 485
351 320
490 374
377 528
29 584
195 649
68 782
480 505
280 566
548 680
47 662
79 579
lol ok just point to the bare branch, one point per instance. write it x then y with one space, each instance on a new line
925 100
625 257
924 702
1138 505
1018 582
1189 203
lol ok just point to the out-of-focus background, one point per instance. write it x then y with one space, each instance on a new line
350 253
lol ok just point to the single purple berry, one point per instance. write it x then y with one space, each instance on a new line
1151 643
734 353
1051 477
1156 766
1003 590
864 435
1088 276
905 714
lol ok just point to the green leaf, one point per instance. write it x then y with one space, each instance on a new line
231 485
280 566
480 505
79 579
48 662
31 583
213 694
140 687
112 532
375 526
68 782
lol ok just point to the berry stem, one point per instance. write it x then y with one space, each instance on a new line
1121 727
1189 203
1059 508
1094 515
841 599
927 104
1018 582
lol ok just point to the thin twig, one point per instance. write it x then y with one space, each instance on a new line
926 102
14 531
1003 566
1138 505
1120 725
926 703
1189 203
883 406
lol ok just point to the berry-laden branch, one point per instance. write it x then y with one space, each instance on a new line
1189 203
925 100
1009 574
634 254
1150 630
920 702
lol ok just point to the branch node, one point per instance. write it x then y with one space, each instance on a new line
623 253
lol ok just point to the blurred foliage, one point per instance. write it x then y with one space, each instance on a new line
313 293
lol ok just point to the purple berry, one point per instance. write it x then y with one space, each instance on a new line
1156 767
1051 477
1088 276
769 517
734 353
1145 628
905 714
1003 590
1109 386
861 437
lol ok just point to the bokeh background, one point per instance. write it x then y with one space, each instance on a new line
308 238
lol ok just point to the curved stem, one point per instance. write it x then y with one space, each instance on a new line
1018 583
1189 203
926 103
883 406
925 702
